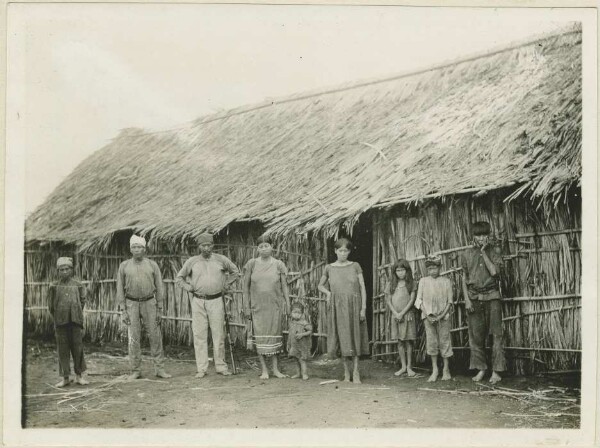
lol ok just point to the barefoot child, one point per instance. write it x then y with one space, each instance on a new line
299 339
66 299
434 298
400 298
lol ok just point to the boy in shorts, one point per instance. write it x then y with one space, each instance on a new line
434 299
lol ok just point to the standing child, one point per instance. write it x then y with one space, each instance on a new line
400 298
299 339
66 299
434 298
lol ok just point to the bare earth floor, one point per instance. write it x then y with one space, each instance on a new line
245 401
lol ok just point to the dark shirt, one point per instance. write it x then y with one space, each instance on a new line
66 301
138 280
480 283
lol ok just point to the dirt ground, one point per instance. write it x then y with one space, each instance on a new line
245 401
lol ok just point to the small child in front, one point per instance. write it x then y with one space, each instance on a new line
299 341
66 299
434 298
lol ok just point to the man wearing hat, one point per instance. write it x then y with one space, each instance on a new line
481 265
206 276
66 299
140 297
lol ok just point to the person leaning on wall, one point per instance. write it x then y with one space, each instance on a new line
481 267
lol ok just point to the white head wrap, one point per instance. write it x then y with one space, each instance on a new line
137 240
64 261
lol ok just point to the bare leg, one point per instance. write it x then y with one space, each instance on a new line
299 365
303 369
446 370
495 377
409 348
479 376
346 370
276 371
265 372
434 369
402 354
355 374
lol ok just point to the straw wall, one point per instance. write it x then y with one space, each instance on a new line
540 284
98 271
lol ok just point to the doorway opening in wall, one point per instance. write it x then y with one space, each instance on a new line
362 240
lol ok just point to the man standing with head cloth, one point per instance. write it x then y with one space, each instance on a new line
140 296
206 276
481 266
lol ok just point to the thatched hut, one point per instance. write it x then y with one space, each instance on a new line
403 164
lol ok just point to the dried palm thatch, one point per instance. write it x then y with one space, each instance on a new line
98 271
540 281
316 161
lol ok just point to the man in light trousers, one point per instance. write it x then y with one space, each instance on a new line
206 277
140 297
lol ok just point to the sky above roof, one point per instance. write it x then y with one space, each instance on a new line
89 70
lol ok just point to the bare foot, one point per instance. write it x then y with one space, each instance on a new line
278 374
433 376
479 376
356 378
400 372
200 374
495 378
264 376
80 379
63 383
305 376
446 375
297 375
411 372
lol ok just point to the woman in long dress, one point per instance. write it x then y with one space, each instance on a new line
344 285
266 301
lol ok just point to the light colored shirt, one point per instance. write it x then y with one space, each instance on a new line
138 280
433 295
206 276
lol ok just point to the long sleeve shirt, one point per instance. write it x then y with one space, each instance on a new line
66 301
206 275
481 284
138 280
433 295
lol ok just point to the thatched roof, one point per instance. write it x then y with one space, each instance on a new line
318 160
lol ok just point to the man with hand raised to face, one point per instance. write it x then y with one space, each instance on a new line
140 297
481 267
206 277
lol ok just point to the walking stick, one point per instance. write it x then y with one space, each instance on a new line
228 332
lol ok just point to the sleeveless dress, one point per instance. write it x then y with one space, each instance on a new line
267 304
344 327
406 329
299 349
